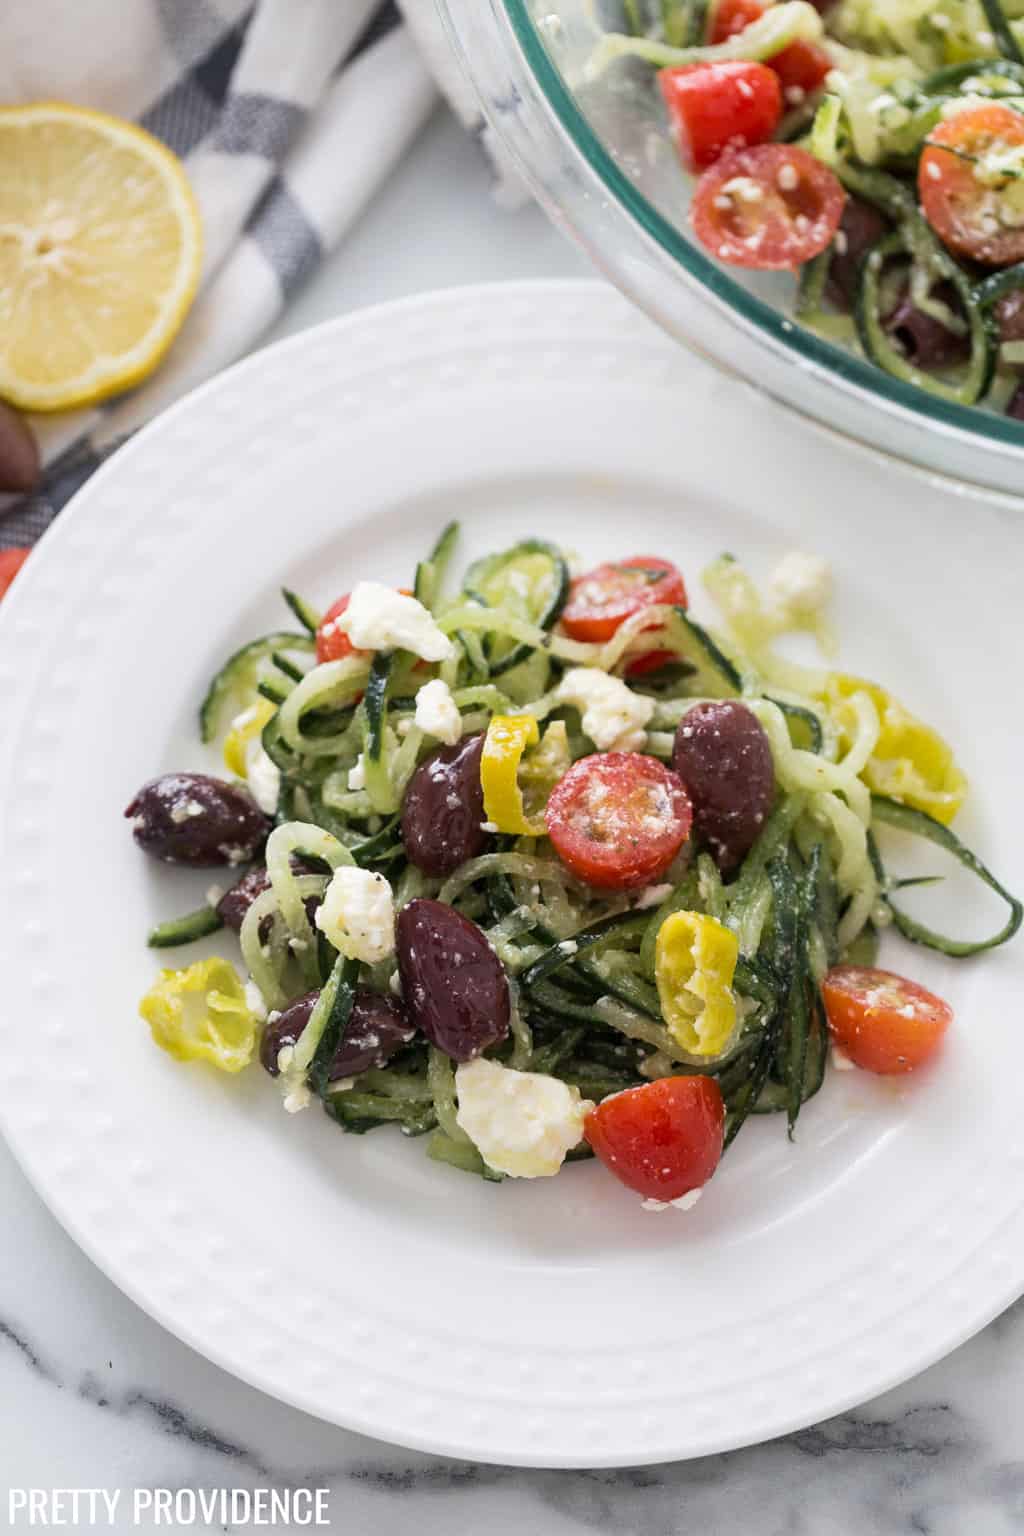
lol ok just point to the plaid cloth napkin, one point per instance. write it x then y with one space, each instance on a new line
288 115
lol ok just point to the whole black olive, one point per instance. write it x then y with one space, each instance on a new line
378 1026
453 983
191 818
443 809
722 755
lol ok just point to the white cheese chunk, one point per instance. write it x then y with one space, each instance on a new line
262 776
802 583
611 714
358 914
380 619
437 713
357 774
522 1123
254 1001
681 1203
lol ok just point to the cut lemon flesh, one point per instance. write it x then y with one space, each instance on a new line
100 252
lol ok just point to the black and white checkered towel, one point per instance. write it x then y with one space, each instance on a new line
288 115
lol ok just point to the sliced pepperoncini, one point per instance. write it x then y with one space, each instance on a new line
911 763
244 729
694 963
200 1014
508 737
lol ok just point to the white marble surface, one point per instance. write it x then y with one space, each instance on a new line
94 1394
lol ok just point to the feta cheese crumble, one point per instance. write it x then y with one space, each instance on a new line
802 583
652 896
262 776
254 1001
437 713
611 714
358 914
380 619
681 1203
522 1123
357 774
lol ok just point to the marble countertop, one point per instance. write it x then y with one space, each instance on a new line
95 1395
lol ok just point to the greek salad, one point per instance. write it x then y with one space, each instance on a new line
877 146
537 867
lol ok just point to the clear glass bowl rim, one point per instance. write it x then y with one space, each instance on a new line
778 327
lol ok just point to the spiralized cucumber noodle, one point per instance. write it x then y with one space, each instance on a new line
580 961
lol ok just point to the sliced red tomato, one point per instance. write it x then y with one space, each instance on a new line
663 1139
883 1022
732 16
11 562
714 107
618 819
801 67
773 206
605 597
971 208
332 644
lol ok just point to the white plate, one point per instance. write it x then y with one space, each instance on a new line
539 1323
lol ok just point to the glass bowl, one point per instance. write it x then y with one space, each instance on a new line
596 154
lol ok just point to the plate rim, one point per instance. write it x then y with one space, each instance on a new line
179 1323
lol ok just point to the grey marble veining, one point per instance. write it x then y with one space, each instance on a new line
94 1394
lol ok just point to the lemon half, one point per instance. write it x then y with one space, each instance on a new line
100 253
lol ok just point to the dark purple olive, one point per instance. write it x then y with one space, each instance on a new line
722 755
444 808
190 818
235 903
1016 405
1009 312
453 983
923 340
377 1028
19 453
860 227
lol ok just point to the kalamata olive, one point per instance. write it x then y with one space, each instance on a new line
860 227
444 808
190 818
19 454
722 755
922 338
378 1027
453 983
235 903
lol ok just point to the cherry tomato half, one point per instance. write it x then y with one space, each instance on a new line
883 1022
11 562
663 1139
801 67
332 644
773 206
713 107
618 819
979 216
605 597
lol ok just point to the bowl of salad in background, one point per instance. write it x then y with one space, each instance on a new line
655 131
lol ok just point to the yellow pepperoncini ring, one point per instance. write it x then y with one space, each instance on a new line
508 737
200 1014
911 762
694 964
244 729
